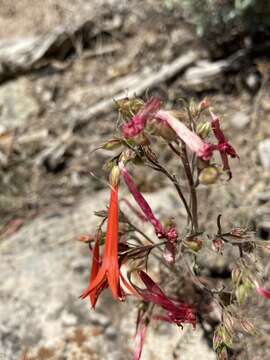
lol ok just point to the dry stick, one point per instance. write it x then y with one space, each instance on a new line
144 83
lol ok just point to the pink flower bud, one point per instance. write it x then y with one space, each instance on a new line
218 245
204 104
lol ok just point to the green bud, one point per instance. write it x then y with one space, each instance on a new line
228 322
194 244
226 336
248 327
217 339
129 107
236 275
203 129
222 353
115 176
241 293
112 144
209 175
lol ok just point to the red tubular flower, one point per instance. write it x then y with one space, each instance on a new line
263 292
171 234
223 145
96 263
138 122
176 312
192 140
143 204
108 272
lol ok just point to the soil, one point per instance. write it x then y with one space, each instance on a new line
37 112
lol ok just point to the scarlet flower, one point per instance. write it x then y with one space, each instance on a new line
96 263
143 204
138 122
223 145
108 273
176 311
171 234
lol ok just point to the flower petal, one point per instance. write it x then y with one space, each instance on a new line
192 140
143 204
108 273
263 292
138 122
177 312
94 271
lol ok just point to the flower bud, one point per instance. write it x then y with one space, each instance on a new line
115 176
221 337
112 144
204 104
236 275
218 245
203 129
217 339
241 293
222 353
226 336
228 322
238 232
129 107
193 244
126 156
209 175
248 327
193 108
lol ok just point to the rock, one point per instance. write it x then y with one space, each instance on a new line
17 104
264 153
240 120
111 333
68 319
253 82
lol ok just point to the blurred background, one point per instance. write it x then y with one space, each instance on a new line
61 65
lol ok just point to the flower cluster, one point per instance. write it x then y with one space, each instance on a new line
122 250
